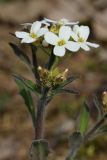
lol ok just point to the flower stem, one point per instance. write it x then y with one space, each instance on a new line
39 126
35 64
50 61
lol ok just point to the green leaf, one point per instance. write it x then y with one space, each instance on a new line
18 52
28 84
29 103
72 91
84 119
26 94
68 81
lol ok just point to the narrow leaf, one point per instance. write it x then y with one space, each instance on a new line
26 94
29 103
28 84
18 52
69 80
84 119
72 91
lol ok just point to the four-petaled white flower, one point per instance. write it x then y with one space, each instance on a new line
80 35
35 32
62 21
61 41
64 38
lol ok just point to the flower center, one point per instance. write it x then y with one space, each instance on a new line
61 42
33 35
81 39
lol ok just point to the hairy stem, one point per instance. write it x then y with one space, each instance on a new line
39 128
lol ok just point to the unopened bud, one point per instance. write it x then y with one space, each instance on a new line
39 68
104 100
65 72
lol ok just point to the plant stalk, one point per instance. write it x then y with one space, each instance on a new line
39 127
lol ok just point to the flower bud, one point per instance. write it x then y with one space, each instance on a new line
104 100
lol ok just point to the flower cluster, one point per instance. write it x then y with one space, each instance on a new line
62 35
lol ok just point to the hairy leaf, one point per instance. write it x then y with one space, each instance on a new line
69 80
28 84
18 52
26 94
72 91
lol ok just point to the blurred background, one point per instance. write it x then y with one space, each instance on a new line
16 130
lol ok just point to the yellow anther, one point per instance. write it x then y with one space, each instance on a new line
61 42
81 39
33 35
55 29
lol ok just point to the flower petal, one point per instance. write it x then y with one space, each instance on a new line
44 43
45 22
21 34
65 32
72 23
50 20
42 31
92 44
51 38
35 27
84 32
59 51
72 46
84 46
28 39
74 36
76 29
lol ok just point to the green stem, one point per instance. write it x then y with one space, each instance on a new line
35 63
39 126
51 60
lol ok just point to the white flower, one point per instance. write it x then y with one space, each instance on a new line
45 22
61 41
80 35
35 32
62 21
